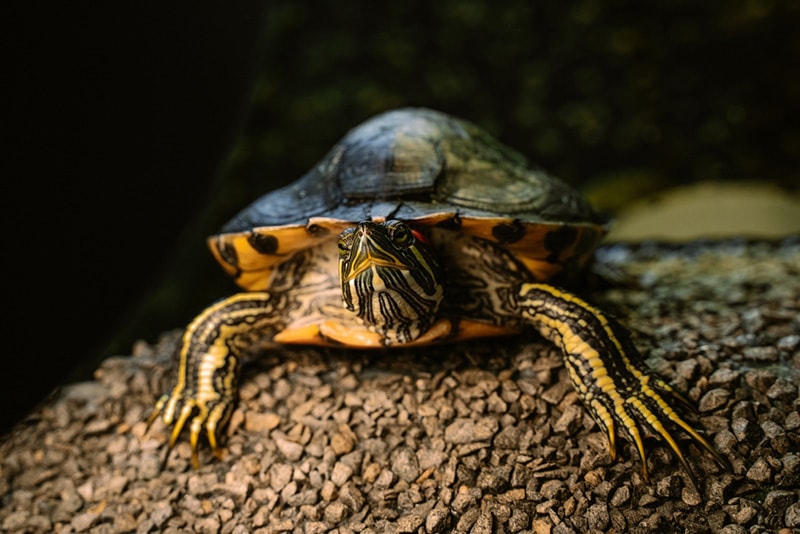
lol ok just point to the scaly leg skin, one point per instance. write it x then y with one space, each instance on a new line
208 375
619 390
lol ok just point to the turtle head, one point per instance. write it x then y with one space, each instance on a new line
390 278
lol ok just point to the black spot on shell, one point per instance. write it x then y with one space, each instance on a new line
263 243
227 252
508 232
559 240
315 230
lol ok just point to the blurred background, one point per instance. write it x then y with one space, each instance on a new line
134 134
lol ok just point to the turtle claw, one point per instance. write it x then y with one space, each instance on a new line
641 402
176 410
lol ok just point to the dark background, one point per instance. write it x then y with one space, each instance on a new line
130 135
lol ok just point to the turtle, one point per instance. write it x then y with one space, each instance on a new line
417 228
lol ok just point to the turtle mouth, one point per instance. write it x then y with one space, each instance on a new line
367 264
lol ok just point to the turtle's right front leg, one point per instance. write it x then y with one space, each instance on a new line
208 375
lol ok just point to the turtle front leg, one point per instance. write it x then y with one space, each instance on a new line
619 390
208 375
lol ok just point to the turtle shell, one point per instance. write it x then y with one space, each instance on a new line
420 166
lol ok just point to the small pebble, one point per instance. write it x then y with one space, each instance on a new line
792 519
279 476
690 496
465 430
82 522
724 377
161 512
776 503
746 431
597 516
621 496
291 450
570 420
342 442
553 489
437 520
341 473
542 526
760 379
760 472
334 512
783 390
15 521
410 522
745 514
761 354
404 464
713 399
261 422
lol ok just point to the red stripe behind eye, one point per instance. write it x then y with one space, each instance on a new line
418 235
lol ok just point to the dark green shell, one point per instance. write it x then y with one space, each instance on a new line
411 163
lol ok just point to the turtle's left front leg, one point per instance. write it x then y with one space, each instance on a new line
619 390
207 384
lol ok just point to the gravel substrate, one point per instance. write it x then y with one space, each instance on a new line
480 437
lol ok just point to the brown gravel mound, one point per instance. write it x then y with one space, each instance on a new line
480 437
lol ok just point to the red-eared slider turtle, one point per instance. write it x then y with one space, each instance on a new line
428 231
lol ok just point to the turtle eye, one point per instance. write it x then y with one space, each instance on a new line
343 250
345 243
401 235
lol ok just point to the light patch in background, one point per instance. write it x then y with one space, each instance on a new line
710 210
